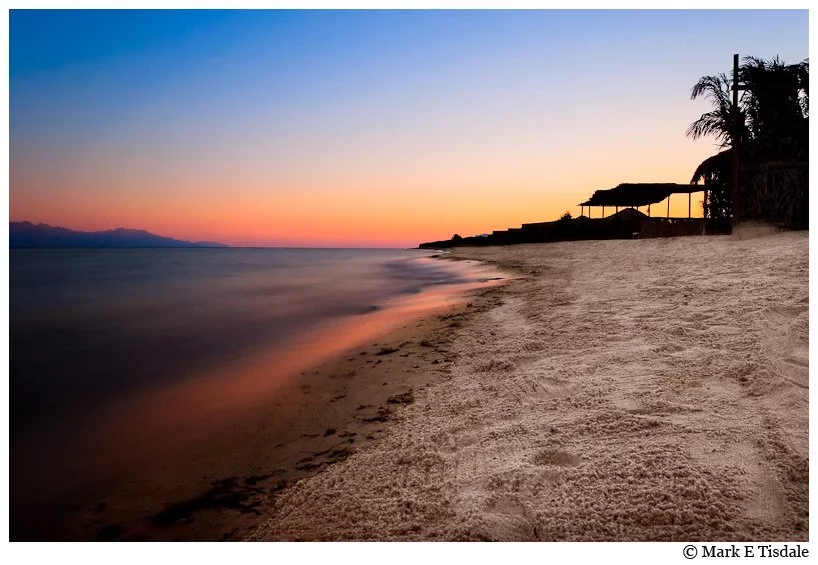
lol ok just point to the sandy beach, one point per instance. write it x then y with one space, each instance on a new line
614 390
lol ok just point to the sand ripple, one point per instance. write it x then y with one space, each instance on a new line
626 390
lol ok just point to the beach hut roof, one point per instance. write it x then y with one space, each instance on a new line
718 162
638 194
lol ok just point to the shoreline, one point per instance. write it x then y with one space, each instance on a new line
644 390
222 489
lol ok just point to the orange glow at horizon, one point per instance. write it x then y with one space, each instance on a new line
355 209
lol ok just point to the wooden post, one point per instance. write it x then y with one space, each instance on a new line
603 211
736 141
704 206
689 201
668 205
617 209
648 210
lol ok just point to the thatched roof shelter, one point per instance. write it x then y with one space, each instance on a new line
638 194
720 162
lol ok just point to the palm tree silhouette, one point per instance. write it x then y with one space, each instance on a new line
777 106
718 122
773 119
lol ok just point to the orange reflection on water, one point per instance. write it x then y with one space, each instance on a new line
156 424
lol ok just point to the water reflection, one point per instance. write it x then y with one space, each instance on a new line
123 379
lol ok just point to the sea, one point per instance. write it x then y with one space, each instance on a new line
92 331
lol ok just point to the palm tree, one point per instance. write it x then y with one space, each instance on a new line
718 122
772 124
715 172
777 106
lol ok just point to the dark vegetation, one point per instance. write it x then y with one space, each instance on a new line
770 130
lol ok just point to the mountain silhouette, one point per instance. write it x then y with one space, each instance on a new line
26 234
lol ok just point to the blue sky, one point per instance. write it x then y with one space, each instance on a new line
432 121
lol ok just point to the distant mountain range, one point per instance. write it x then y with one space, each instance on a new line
26 234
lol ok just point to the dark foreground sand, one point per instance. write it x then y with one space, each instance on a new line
617 390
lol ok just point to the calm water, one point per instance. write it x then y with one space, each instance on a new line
90 329
88 325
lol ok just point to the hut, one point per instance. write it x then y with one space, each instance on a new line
629 195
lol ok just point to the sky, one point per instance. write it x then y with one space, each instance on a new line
358 128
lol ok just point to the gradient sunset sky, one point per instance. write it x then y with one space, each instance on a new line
358 128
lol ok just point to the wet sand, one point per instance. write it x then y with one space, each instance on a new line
205 460
332 411
618 390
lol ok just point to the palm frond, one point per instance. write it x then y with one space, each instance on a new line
710 123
